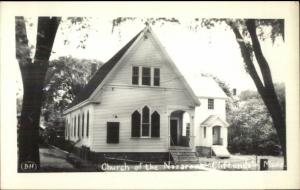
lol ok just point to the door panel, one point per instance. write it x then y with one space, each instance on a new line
174 132
216 135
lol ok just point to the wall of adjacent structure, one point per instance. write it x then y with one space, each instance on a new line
201 114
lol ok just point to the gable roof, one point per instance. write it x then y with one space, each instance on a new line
100 75
207 87
211 120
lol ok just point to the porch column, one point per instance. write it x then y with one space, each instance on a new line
192 131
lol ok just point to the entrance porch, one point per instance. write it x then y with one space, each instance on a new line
180 129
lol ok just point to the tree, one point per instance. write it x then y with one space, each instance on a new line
246 29
64 79
251 130
265 86
33 73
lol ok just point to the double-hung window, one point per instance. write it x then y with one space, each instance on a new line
135 75
210 104
146 76
156 78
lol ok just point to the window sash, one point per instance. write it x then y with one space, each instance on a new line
156 79
210 104
135 124
82 125
135 75
145 129
78 129
188 129
146 76
87 124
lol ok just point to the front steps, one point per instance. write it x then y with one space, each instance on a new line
220 151
183 155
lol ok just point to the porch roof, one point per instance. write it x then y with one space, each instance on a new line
213 120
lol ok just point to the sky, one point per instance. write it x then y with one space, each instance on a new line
213 51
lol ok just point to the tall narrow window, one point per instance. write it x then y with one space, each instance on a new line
136 124
145 122
188 129
204 132
112 132
78 129
210 104
146 77
82 133
74 126
135 75
156 81
87 124
155 124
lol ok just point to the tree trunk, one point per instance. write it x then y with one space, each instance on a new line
266 88
33 75
33 78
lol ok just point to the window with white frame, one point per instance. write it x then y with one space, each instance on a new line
135 75
146 76
142 125
156 77
146 122
210 104
188 129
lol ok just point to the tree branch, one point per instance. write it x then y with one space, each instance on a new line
247 58
262 62
22 47
47 28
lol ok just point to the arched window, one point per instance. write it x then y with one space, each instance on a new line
135 124
155 124
74 126
87 124
78 130
82 134
146 122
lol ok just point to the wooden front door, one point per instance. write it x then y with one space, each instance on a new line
217 135
174 132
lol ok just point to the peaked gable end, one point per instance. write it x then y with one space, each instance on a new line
113 64
100 75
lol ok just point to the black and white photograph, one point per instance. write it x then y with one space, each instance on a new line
141 94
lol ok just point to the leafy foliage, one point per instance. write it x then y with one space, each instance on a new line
251 130
64 79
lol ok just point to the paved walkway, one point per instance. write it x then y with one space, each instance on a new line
54 160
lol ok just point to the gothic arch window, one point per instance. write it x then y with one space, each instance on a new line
135 124
155 124
146 122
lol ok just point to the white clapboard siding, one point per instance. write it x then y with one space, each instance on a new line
86 141
119 99
121 103
146 53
